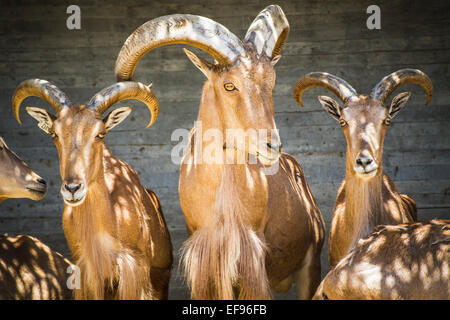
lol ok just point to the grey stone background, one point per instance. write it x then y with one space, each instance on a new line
328 36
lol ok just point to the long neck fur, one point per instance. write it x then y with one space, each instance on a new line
226 259
104 263
363 202
91 234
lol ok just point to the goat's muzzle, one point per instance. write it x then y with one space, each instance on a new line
37 188
365 165
73 193
269 155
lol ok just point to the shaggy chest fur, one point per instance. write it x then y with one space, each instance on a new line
360 207
109 267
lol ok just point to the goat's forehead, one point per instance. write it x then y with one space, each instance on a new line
252 68
364 110
77 117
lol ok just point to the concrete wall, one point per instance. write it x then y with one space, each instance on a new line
326 36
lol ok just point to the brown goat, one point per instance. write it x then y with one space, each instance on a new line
367 196
407 261
113 225
28 268
248 231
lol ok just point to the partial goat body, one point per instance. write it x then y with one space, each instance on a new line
406 261
114 227
17 179
361 206
367 196
249 231
118 237
266 231
29 269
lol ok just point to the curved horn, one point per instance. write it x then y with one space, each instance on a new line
42 89
388 84
197 31
117 92
338 86
269 31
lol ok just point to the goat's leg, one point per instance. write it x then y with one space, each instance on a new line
160 278
307 277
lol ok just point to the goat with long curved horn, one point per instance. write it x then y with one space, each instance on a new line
233 212
267 34
269 31
338 86
196 31
367 196
117 92
114 226
388 84
42 89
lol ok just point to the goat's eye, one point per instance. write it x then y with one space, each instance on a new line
229 86
1 148
342 122
387 121
100 136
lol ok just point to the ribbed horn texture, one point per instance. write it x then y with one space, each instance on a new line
42 89
197 31
388 84
269 31
124 91
338 86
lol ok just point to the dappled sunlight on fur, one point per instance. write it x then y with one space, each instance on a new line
407 261
367 197
362 204
115 259
246 228
31 270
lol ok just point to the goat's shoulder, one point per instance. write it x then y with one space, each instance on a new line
388 185
291 165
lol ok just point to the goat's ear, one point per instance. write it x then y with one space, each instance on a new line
331 106
200 63
44 119
275 59
398 103
115 117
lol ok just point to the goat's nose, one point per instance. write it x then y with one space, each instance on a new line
275 146
72 188
363 161
42 181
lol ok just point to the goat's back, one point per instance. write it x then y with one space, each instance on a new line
29 269
407 261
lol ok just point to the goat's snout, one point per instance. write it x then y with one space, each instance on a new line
364 161
365 165
36 187
73 192
276 146
72 188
